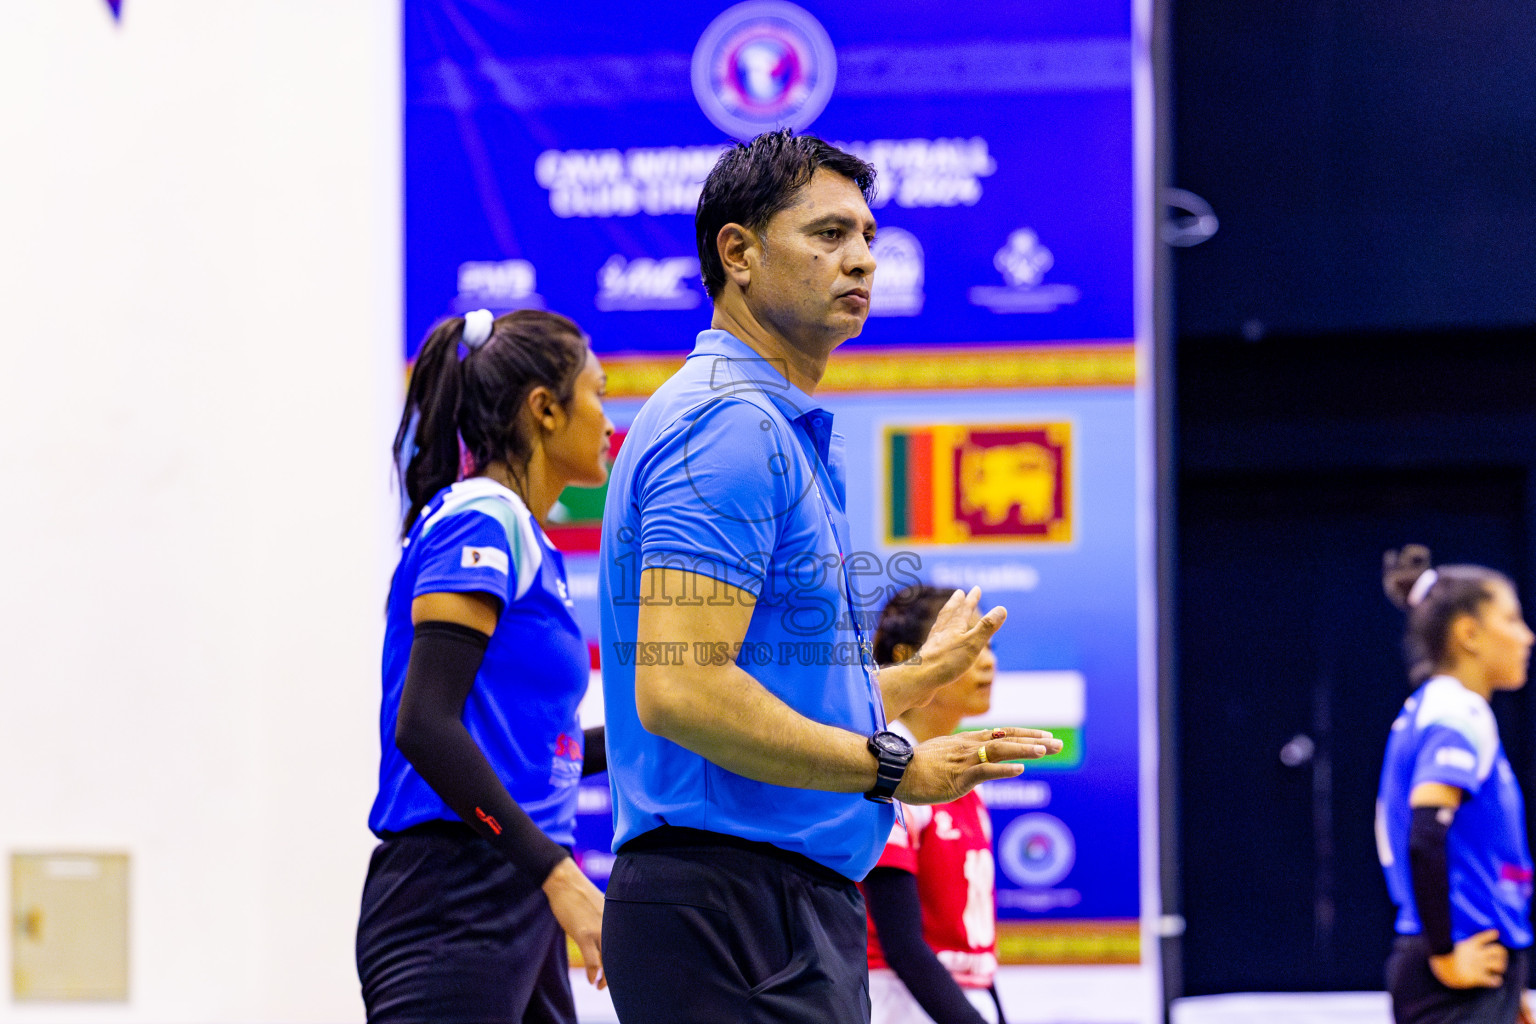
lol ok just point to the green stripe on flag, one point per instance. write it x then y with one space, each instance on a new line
900 525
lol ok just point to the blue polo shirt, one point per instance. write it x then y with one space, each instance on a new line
732 473
1446 733
478 537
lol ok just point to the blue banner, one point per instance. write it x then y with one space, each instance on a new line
554 159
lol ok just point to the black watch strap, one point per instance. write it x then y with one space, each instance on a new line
892 755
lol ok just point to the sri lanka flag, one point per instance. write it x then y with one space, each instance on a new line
954 484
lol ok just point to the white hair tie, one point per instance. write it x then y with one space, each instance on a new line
477 328
1421 587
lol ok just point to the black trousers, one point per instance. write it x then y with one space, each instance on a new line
452 933
707 929
1419 998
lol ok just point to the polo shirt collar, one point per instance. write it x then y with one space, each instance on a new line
749 366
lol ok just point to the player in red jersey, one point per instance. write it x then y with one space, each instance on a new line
932 925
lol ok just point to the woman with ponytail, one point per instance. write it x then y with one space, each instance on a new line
472 891
1450 819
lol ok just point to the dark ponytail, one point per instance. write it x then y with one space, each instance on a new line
463 410
906 619
1433 602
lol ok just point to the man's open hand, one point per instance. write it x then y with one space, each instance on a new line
946 768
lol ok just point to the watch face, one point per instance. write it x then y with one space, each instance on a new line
891 744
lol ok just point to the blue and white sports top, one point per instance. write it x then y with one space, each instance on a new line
1446 733
478 537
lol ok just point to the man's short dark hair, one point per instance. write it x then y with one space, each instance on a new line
753 181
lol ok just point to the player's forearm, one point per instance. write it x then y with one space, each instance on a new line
431 735
722 713
896 910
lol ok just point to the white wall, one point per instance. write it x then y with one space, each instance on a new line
200 315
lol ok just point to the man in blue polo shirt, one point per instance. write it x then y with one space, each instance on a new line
751 769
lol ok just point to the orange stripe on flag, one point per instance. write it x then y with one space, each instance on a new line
946 439
920 484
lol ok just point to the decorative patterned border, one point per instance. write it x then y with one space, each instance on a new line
1092 365
1112 941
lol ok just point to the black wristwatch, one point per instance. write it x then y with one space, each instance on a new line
893 753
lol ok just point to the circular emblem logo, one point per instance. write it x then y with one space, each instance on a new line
1036 850
761 65
898 287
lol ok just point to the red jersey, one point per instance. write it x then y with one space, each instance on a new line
949 848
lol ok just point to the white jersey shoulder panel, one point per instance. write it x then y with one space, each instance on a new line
1447 703
484 495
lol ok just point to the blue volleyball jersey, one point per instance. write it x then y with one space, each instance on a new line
478 537
1446 733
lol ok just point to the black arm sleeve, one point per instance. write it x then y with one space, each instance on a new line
1431 876
594 751
430 733
898 916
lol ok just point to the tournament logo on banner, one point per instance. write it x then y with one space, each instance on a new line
949 484
898 288
642 283
1023 262
1037 850
498 285
761 65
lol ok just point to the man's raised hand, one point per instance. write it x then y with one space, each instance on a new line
957 637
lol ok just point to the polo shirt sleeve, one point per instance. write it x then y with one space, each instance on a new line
1446 755
713 494
467 553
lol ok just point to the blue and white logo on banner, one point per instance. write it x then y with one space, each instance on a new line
762 65
898 288
1037 850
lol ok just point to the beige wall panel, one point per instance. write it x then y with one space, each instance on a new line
70 919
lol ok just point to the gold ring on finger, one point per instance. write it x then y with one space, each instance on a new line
981 752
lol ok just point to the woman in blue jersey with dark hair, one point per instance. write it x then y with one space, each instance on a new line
1450 819
472 890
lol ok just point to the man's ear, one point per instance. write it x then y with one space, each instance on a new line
733 243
